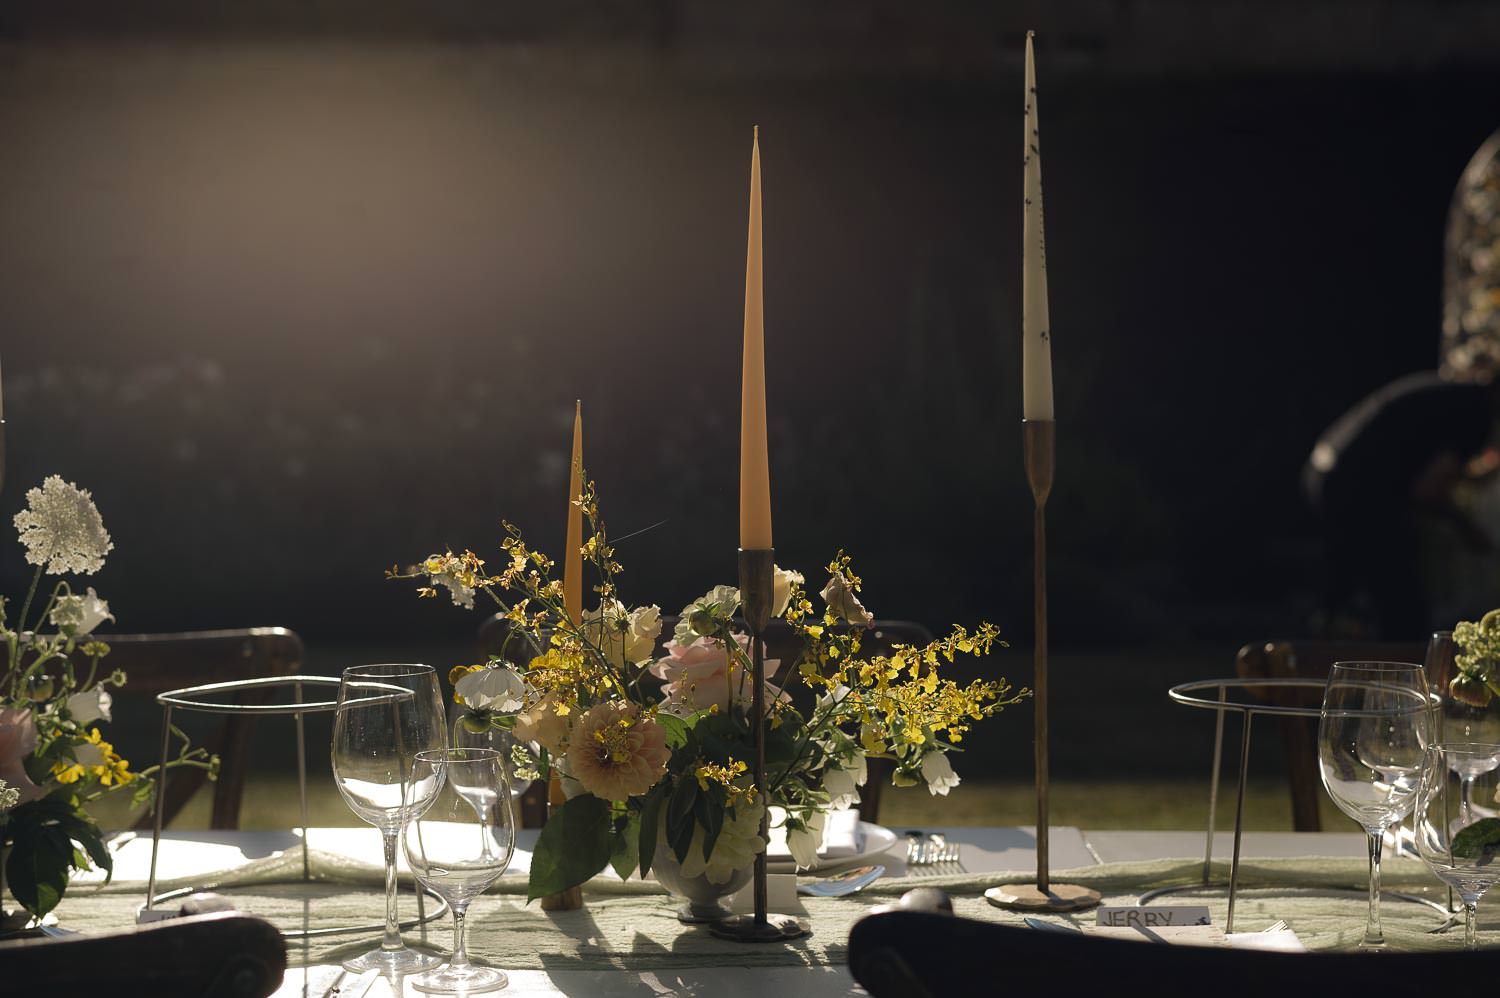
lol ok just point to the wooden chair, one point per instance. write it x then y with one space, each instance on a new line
1308 660
781 643
156 663
221 955
913 954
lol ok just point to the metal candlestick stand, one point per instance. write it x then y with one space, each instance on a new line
1039 436
757 570
204 699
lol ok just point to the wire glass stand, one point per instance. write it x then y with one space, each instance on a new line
1195 695
207 700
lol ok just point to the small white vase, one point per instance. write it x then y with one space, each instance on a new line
704 899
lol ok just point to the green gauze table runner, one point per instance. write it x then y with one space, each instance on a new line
632 925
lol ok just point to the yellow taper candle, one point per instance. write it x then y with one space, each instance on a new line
573 551
1036 334
755 470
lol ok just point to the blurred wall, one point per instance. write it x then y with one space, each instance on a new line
304 293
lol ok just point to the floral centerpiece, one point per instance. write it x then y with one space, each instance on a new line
54 760
654 751
1476 678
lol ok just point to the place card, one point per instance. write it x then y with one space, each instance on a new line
781 896
1154 916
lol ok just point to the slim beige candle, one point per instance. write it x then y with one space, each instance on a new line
755 470
573 555
1036 335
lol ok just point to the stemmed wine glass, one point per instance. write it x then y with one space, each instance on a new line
1464 719
459 837
1458 845
386 715
1372 731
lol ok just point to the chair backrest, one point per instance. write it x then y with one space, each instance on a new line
220 955
1309 660
156 663
782 643
912 954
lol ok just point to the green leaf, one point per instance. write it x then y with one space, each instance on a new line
1479 840
575 844
680 816
626 851
651 825
709 812
37 870
676 729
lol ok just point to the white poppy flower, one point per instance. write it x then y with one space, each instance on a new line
841 787
77 616
842 601
939 774
804 840
89 706
781 588
495 687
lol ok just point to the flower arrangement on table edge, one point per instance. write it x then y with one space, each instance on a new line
675 767
54 761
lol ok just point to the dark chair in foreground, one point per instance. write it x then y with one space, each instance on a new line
222 955
909 954
156 663
1309 660
782 643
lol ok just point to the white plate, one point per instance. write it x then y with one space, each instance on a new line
878 839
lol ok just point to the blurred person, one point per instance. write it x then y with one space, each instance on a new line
1391 464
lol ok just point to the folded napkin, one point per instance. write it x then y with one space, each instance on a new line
842 836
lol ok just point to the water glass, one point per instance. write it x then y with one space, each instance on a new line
459 837
1457 838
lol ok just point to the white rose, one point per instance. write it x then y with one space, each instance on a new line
703 616
645 628
939 774
495 687
89 706
781 588
804 840
77 616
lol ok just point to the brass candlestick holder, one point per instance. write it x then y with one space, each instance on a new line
757 581
1039 438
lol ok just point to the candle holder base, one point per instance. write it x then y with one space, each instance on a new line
1056 898
775 929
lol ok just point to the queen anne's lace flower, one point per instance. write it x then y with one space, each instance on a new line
9 797
61 528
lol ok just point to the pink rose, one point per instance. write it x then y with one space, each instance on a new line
697 675
17 741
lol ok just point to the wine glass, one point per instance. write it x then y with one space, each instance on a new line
386 714
1373 728
1458 845
1472 719
459 836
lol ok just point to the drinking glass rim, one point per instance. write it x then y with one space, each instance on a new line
1377 666
457 753
369 671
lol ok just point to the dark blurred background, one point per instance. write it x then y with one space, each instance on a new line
300 290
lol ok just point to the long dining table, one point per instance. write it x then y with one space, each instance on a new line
985 852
